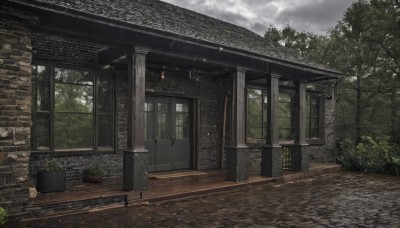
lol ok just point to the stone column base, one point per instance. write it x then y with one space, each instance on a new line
271 161
301 158
237 164
135 170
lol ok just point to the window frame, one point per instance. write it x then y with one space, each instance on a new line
285 89
97 73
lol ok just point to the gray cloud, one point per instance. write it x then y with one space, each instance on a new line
317 16
309 15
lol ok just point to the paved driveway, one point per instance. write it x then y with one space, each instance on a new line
339 200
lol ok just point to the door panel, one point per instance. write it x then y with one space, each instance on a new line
180 138
167 133
149 142
163 134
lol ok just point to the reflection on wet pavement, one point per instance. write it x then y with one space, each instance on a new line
336 200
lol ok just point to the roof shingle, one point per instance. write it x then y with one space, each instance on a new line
169 18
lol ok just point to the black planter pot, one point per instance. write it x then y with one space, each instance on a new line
51 181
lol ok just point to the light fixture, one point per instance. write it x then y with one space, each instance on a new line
162 75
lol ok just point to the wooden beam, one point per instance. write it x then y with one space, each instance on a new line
136 99
301 105
112 53
238 108
272 110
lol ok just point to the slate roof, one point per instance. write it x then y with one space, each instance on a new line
169 18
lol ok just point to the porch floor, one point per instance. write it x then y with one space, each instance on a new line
171 185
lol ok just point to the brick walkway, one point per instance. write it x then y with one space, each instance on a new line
335 200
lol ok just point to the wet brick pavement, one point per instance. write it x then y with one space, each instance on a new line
338 200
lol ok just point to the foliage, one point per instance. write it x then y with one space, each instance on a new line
365 46
93 171
52 166
370 155
3 216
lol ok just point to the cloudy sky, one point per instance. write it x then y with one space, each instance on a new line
309 15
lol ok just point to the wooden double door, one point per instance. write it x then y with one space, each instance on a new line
167 133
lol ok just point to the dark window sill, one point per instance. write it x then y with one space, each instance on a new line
75 152
310 142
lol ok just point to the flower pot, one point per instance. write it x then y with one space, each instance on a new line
94 179
51 181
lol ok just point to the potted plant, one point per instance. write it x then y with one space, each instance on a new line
93 174
3 216
52 178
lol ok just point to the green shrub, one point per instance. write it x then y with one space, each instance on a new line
347 155
371 155
3 216
52 166
93 171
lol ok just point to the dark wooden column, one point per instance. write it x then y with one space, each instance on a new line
237 156
300 152
271 158
135 159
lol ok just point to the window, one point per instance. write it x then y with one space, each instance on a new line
312 125
71 109
256 115
257 102
286 115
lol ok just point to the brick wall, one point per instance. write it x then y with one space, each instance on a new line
15 107
210 92
60 51
75 163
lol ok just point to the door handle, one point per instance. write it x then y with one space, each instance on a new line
155 139
173 139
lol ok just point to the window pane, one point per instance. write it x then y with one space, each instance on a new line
285 122
285 116
43 72
105 130
181 125
104 100
148 107
285 133
163 120
149 121
312 117
73 98
254 115
43 96
34 72
73 130
73 76
181 107
42 131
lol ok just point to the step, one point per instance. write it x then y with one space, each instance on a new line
61 208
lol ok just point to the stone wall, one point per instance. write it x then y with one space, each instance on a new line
326 151
75 162
15 107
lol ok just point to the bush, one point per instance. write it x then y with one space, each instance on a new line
373 156
93 171
347 155
3 216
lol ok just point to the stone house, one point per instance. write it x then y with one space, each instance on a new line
145 86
